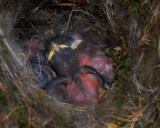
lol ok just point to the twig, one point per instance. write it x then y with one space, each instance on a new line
20 89
85 12
136 68
30 109
113 24
140 87
39 6
5 42
143 111
6 66
69 20
157 66
13 110
29 117
4 89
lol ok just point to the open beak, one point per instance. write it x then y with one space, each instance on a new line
55 48
75 44
51 53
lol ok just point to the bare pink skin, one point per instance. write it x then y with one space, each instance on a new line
33 43
28 52
91 88
90 83
100 62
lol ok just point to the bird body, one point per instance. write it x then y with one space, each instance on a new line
79 69
65 62
91 88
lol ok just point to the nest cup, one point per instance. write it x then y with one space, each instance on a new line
130 30
32 17
23 74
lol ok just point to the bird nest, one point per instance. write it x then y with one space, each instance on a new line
117 23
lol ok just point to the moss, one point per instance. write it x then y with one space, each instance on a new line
3 98
107 51
59 117
3 28
71 121
22 120
118 122
39 105
120 59
156 80
135 5
119 103
5 53
149 124
124 86
122 124
142 10
136 101
146 78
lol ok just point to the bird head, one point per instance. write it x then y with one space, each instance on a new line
58 47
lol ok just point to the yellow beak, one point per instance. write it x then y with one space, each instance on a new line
55 48
63 46
51 53
75 44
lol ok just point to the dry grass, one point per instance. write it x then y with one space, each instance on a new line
131 32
